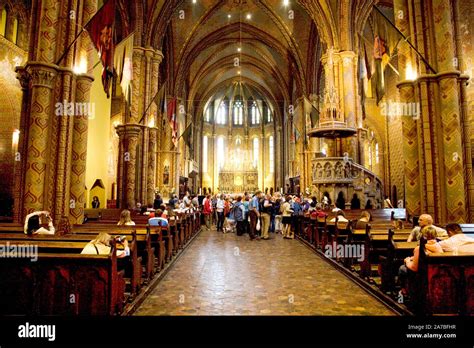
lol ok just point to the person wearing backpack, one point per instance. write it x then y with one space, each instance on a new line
238 212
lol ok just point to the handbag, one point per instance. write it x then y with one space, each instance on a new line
257 228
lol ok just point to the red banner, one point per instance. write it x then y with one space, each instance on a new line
101 31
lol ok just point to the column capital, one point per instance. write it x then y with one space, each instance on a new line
42 74
128 130
84 78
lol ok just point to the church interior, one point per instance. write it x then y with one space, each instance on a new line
166 109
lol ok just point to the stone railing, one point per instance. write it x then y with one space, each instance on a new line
342 171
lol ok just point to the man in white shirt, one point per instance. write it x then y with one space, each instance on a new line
457 241
425 220
186 199
220 213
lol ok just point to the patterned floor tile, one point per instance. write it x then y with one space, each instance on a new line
230 275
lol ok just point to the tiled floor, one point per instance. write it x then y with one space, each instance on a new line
229 275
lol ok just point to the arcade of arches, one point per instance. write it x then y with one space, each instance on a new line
287 92
297 96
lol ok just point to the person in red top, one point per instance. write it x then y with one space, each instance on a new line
207 211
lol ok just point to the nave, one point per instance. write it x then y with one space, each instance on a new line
223 274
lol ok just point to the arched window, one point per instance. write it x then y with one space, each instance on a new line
221 113
255 151
15 31
376 153
220 152
370 156
255 114
238 113
207 114
204 153
271 155
3 22
269 115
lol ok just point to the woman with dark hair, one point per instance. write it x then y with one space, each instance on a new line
157 202
39 222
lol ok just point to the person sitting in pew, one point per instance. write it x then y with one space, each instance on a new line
158 220
423 221
125 219
165 211
39 222
398 224
411 262
457 241
340 217
364 219
100 245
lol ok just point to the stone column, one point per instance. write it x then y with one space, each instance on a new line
129 134
79 153
410 154
42 81
152 152
348 87
438 172
20 156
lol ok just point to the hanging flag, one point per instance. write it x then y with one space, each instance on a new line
123 64
172 119
312 114
380 49
101 31
297 135
160 99
188 136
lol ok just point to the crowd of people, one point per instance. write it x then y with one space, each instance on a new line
259 214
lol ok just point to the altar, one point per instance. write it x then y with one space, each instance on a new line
239 174
238 181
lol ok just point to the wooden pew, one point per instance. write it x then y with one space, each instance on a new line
144 242
61 284
444 283
73 244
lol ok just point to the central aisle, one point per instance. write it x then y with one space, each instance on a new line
223 274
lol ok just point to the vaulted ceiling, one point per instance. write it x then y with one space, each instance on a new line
278 43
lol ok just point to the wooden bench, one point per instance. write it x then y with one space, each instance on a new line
62 284
73 244
444 283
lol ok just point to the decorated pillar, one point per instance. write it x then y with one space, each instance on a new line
42 81
78 193
438 169
20 156
79 153
129 136
152 153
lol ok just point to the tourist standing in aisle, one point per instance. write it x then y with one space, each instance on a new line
220 213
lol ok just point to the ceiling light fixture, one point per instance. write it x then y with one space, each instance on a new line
239 49
286 2
194 1
249 16
228 16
